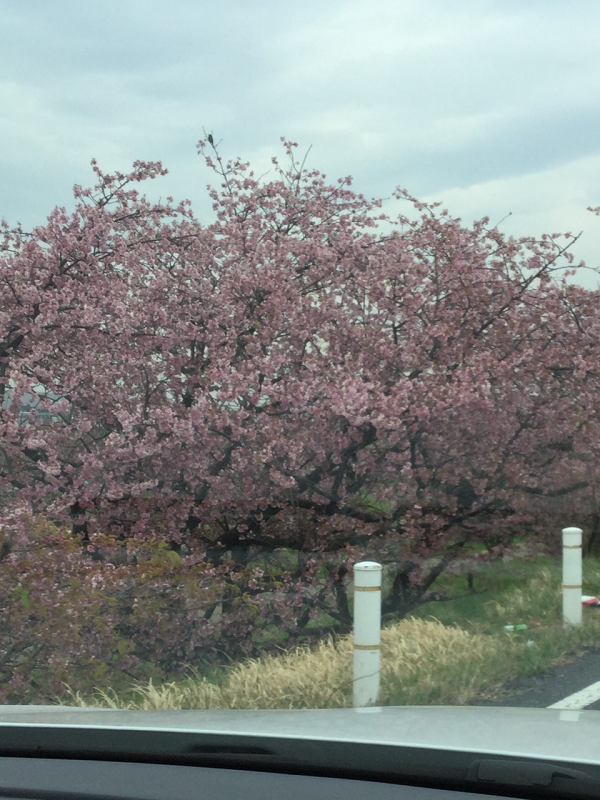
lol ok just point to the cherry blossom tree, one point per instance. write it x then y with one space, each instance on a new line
300 383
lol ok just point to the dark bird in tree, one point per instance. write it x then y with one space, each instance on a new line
210 139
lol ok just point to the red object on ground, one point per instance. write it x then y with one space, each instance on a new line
587 600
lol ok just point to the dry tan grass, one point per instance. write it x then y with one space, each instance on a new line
422 662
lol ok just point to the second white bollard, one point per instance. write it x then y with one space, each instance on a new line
572 576
367 633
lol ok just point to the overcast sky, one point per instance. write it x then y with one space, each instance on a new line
492 107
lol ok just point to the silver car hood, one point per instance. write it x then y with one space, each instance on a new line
539 733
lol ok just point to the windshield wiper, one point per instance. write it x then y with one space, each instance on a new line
503 773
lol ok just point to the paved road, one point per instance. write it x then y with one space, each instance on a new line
554 685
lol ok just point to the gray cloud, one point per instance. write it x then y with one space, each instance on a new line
438 97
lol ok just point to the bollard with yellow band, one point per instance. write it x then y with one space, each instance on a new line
572 576
367 633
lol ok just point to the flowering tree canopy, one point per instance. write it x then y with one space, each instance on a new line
303 373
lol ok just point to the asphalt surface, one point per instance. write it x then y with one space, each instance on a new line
552 686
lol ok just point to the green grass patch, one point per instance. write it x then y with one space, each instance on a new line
491 604
520 593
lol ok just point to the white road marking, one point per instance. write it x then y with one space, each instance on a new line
582 699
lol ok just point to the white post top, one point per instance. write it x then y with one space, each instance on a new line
367 566
367 573
572 536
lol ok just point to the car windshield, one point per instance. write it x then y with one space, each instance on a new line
275 437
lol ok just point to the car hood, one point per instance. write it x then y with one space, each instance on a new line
552 734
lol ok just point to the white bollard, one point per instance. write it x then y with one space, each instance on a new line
367 632
572 576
